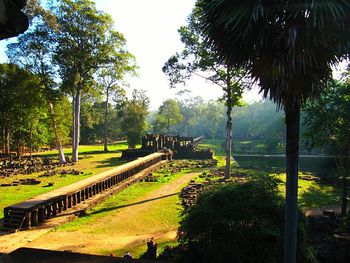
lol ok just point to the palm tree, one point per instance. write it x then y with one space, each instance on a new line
288 48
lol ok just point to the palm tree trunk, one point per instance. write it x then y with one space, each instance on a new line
292 163
228 126
341 168
344 199
76 126
106 122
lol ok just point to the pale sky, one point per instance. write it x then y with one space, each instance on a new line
150 28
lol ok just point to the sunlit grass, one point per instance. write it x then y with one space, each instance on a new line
312 194
90 163
85 149
164 215
126 197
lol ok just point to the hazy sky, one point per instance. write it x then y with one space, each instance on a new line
150 28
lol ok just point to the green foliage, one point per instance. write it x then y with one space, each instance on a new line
167 116
327 121
22 112
134 114
242 221
271 39
86 42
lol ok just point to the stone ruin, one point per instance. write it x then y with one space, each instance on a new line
182 147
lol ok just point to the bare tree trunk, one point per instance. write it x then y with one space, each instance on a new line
106 122
292 163
228 126
18 148
3 140
30 141
168 126
76 126
73 120
7 140
58 143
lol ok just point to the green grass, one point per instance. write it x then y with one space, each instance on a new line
87 149
214 144
14 194
124 198
92 161
312 194
166 214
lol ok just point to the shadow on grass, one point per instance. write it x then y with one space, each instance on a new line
107 209
111 162
313 197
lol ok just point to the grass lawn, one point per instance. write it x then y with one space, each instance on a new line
132 213
92 161
89 149
310 193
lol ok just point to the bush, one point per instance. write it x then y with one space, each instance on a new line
238 223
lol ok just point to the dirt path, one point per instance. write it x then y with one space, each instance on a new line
123 227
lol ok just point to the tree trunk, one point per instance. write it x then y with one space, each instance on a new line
7 141
58 143
18 148
3 140
344 199
30 141
106 122
341 168
76 126
228 127
73 120
168 126
292 163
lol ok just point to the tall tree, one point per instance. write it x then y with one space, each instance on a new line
189 108
111 76
167 116
34 51
272 40
85 41
134 117
327 122
21 107
199 59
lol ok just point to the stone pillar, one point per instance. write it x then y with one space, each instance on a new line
69 205
48 211
76 198
41 214
64 200
35 217
54 208
59 206
27 220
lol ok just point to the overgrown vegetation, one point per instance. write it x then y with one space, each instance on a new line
241 221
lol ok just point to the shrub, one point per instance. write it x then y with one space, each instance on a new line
238 223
